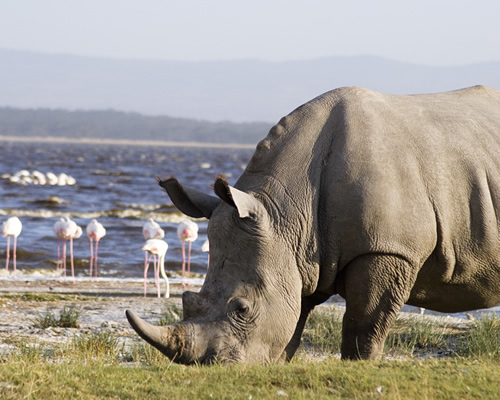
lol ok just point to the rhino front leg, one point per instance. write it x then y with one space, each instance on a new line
307 305
375 288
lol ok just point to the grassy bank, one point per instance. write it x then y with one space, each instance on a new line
430 379
424 358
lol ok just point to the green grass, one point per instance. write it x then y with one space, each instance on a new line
40 297
96 365
96 347
332 379
412 336
483 340
171 315
323 331
68 318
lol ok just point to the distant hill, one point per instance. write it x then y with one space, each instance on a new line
246 90
125 126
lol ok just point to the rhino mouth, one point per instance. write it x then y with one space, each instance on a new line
210 359
225 355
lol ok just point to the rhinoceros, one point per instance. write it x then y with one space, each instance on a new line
382 199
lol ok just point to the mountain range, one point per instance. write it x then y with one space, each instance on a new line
237 91
207 101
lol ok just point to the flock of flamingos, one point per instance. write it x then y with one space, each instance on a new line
155 247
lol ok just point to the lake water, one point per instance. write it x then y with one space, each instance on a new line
115 184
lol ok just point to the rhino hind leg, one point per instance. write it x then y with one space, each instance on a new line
375 288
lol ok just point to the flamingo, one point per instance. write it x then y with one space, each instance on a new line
152 230
11 227
66 229
187 231
205 247
76 235
157 248
95 232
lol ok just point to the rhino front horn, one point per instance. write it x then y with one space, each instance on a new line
175 341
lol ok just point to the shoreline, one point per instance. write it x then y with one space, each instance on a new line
102 306
124 142
108 288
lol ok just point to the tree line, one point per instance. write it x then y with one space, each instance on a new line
110 124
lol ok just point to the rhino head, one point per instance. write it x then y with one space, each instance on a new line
250 303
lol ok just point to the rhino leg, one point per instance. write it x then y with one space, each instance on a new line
307 305
375 288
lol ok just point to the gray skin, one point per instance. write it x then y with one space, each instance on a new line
382 199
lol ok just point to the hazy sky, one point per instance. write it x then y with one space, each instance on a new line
433 32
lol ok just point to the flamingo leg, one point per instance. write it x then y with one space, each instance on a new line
157 265
156 272
64 257
14 255
95 255
189 259
146 261
8 254
58 254
71 258
91 257
146 267
161 262
183 262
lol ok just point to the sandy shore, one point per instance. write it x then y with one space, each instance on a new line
102 305
125 142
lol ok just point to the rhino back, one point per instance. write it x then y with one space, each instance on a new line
362 172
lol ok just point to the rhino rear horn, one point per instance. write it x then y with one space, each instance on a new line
189 201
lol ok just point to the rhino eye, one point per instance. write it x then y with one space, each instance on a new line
239 306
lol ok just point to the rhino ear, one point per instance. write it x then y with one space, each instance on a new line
190 201
245 203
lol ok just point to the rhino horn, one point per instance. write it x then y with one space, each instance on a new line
175 341
189 201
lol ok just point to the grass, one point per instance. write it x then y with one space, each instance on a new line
43 297
97 365
171 315
96 347
68 318
483 341
431 379
412 336
323 331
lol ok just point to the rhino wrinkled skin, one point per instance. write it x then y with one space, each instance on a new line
382 199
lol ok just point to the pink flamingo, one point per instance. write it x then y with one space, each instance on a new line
157 248
205 247
66 229
95 232
187 231
11 228
76 235
152 230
